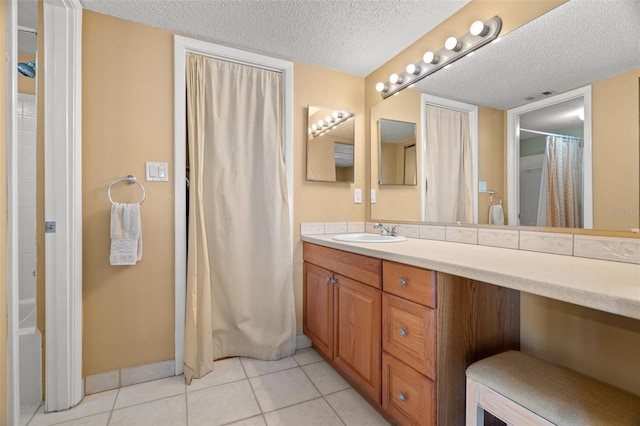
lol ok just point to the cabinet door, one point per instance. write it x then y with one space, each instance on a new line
357 334
318 308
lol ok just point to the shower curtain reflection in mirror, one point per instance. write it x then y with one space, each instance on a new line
449 173
561 185
239 279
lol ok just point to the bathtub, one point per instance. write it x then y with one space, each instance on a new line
30 347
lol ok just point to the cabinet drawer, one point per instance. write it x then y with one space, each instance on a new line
409 282
409 333
355 266
406 394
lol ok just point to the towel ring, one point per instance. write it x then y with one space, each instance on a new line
491 194
130 179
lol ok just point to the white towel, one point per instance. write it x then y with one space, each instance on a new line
496 215
126 234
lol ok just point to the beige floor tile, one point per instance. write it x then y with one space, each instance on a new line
306 356
311 413
221 404
325 378
162 412
92 404
225 371
95 420
27 412
150 391
253 421
354 410
257 367
281 389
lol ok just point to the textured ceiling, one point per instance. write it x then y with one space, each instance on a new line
575 44
353 36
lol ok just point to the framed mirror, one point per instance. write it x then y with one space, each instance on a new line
398 152
330 145
524 68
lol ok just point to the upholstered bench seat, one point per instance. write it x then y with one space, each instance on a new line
523 390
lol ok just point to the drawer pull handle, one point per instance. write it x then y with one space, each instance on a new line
402 282
402 332
331 280
402 397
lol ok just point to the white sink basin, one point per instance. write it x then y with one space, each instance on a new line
369 238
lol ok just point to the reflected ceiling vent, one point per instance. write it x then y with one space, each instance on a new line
543 94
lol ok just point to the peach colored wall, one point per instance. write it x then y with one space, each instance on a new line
25 84
491 158
595 343
3 223
127 120
127 96
616 155
318 201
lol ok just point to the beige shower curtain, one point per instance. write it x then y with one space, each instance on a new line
449 180
561 188
239 271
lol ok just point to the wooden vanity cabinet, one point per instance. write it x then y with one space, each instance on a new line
342 308
410 356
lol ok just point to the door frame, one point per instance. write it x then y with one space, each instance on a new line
62 70
182 45
63 204
513 152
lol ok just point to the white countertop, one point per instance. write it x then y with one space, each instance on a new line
607 286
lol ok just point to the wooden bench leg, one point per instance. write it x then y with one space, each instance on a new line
475 413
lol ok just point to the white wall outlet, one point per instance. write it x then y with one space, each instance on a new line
373 196
357 195
483 187
157 172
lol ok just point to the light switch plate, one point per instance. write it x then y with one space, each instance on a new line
483 186
357 195
373 196
157 172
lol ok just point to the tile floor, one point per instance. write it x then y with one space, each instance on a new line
300 390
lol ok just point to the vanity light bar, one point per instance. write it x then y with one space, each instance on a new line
323 126
480 33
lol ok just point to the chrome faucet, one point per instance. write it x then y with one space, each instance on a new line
393 231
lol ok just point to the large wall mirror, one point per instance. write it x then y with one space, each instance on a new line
397 150
330 145
538 62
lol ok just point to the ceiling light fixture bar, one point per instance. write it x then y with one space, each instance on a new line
323 126
480 33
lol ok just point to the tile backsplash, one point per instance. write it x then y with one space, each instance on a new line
594 247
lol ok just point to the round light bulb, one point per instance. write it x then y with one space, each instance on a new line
314 127
395 79
320 123
478 28
430 58
335 114
381 87
328 119
452 43
310 130
413 69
